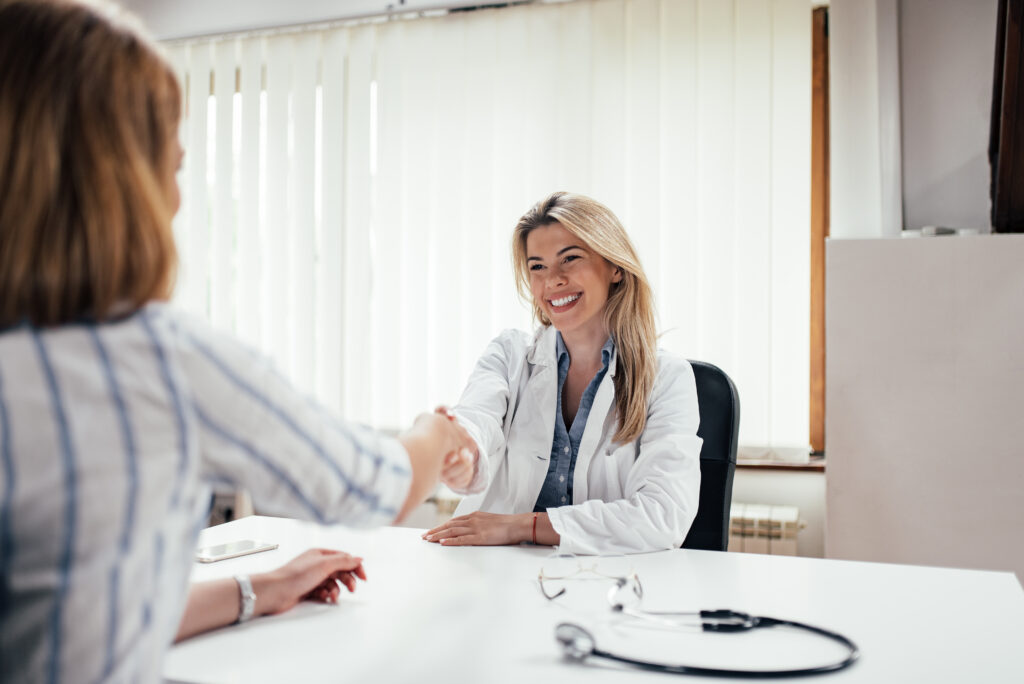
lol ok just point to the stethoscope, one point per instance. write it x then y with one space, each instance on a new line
578 644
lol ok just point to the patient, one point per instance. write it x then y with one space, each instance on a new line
117 414
586 434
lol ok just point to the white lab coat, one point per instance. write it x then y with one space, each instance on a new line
627 498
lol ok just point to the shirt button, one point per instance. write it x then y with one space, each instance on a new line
561 478
563 499
565 450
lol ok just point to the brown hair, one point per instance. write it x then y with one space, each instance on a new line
629 312
88 113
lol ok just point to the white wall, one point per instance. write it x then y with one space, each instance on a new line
864 119
803 489
947 48
910 95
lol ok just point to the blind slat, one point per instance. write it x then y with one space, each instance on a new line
278 324
359 387
753 215
249 295
222 237
331 300
195 266
791 208
301 208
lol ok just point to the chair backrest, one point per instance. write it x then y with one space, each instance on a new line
719 406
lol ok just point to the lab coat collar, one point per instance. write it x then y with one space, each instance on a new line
542 351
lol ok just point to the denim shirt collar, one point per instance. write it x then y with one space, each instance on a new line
561 351
548 344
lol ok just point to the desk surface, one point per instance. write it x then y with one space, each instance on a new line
429 613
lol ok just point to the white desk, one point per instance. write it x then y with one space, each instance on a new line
434 614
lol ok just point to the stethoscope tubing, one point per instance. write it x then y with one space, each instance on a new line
851 657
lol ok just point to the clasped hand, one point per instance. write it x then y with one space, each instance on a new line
459 466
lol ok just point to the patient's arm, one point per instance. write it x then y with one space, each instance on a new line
313 575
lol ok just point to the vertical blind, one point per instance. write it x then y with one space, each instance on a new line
350 191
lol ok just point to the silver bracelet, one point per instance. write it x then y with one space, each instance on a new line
247 598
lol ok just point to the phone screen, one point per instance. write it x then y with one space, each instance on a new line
209 554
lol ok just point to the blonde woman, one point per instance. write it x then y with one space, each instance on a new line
117 414
586 434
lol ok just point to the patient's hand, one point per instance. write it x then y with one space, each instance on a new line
316 575
458 470
459 465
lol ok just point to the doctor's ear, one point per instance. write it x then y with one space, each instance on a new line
617 275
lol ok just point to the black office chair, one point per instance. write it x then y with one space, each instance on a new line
719 405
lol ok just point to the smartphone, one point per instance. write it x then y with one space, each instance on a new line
218 552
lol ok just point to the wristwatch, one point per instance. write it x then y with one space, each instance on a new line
247 598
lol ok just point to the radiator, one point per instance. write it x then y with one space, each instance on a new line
761 528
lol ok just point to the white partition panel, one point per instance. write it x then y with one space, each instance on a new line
925 387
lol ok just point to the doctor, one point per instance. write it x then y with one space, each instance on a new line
586 434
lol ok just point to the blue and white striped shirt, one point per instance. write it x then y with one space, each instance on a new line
111 438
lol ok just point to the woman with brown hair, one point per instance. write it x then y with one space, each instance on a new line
586 434
118 415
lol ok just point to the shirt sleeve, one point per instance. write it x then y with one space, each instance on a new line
481 409
295 458
661 489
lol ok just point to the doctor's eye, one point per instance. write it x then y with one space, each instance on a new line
536 267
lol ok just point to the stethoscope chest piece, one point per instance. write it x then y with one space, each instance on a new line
577 643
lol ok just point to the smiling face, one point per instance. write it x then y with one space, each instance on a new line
569 281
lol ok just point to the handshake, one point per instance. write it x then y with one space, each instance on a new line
439 449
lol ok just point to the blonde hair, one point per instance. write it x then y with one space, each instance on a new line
629 312
88 113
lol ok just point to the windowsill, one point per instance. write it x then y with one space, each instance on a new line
814 464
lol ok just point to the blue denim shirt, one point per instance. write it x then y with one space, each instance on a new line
557 488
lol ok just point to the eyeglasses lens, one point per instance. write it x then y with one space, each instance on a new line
560 565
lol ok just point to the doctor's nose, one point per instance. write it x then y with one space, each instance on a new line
555 277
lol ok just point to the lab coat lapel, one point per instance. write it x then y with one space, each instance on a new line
593 431
542 395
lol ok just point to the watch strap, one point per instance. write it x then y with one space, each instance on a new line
247 598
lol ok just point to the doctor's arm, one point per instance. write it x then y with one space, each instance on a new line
481 411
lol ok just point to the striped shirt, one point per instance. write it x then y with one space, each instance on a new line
112 437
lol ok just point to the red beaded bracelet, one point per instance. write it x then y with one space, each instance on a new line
534 528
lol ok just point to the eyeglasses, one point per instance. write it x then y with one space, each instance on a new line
561 567
624 596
